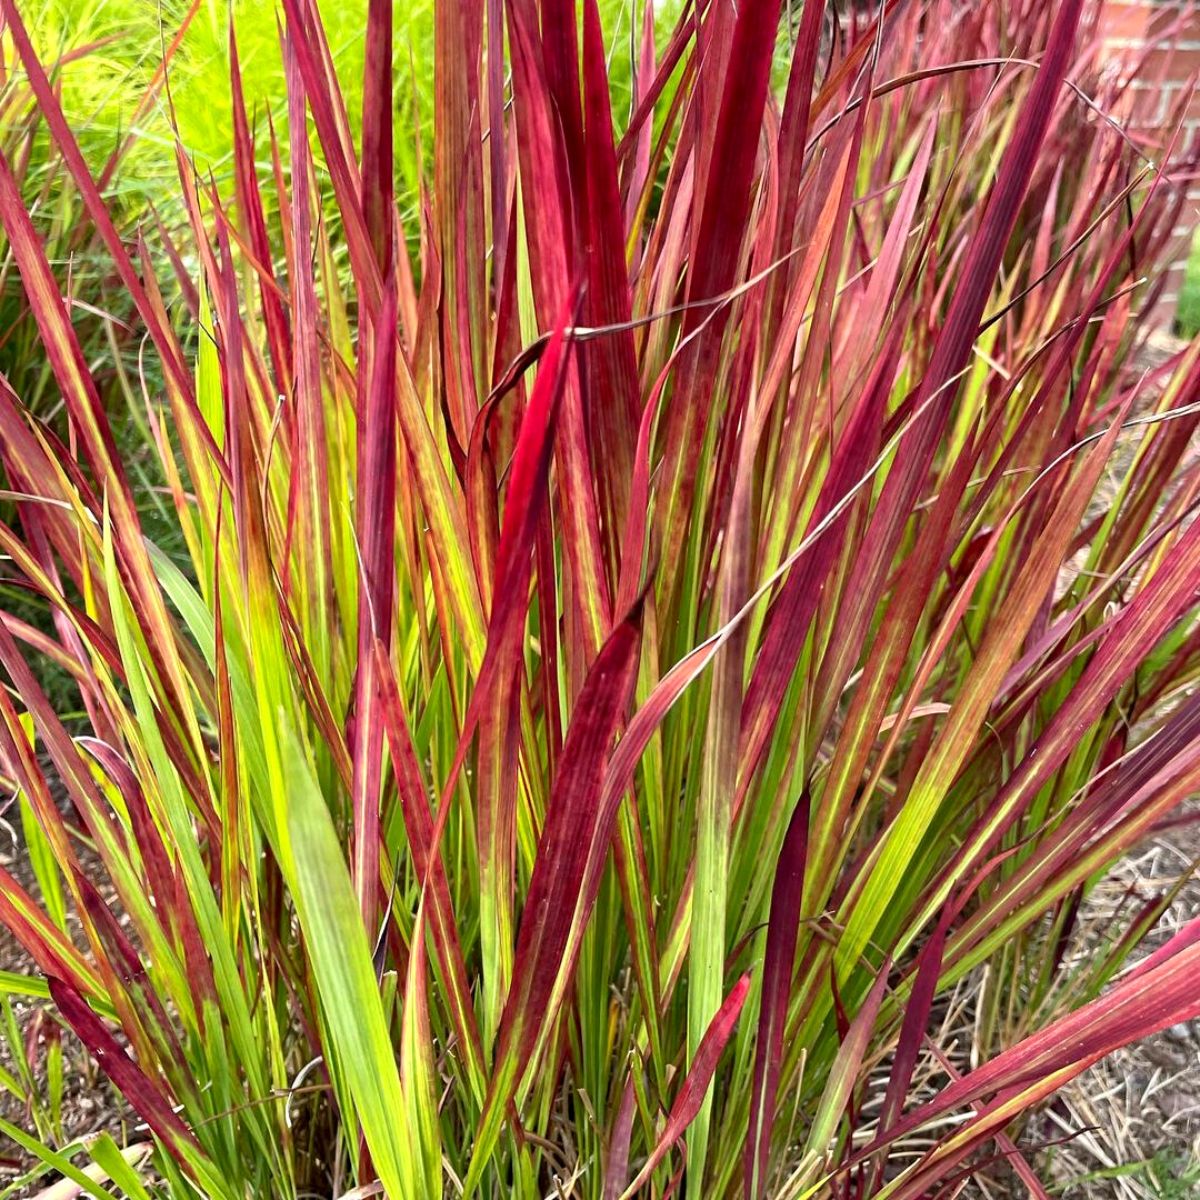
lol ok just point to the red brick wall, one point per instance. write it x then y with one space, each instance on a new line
1172 27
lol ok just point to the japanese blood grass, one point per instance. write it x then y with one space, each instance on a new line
100 310
734 584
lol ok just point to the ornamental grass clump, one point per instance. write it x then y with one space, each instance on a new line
651 622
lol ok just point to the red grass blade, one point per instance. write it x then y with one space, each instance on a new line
786 896
694 1088
375 516
141 1092
573 846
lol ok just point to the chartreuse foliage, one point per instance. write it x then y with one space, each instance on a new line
656 616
